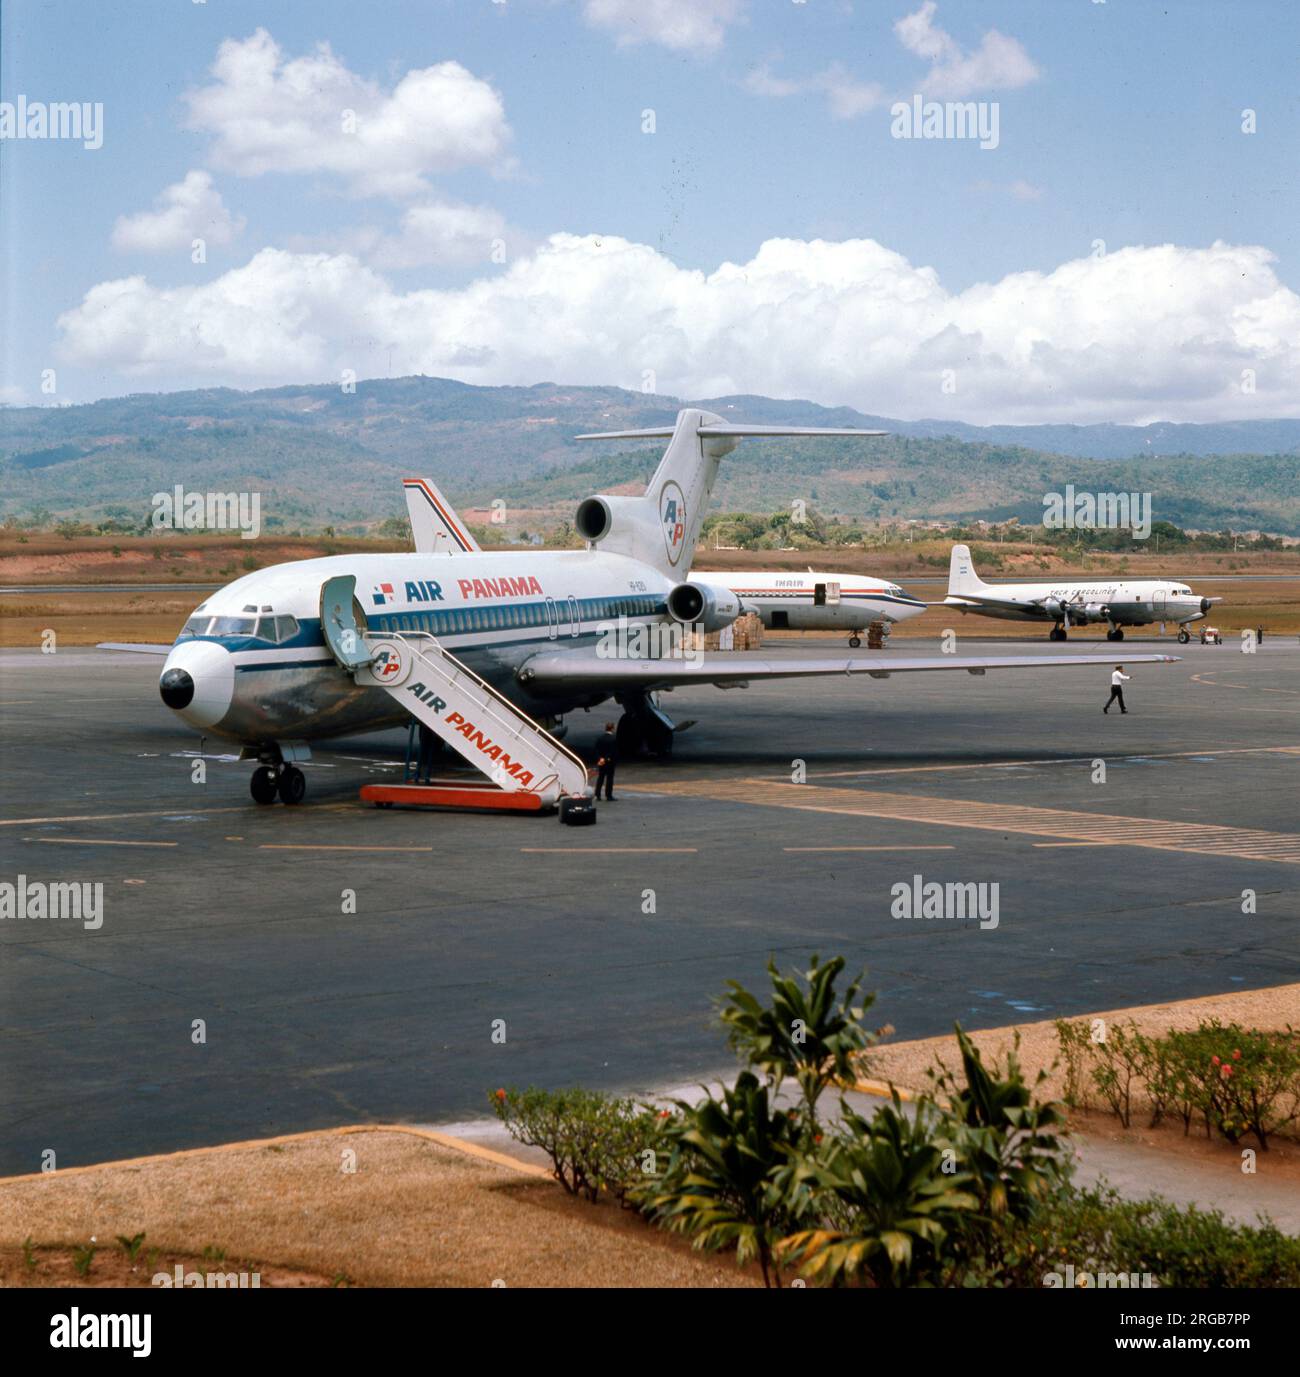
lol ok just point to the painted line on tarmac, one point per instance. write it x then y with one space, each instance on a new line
310 846
1057 760
162 813
94 841
1157 834
1047 846
610 851
869 848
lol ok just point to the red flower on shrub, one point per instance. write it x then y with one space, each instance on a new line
1236 1055
1214 1061
501 1095
1225 1071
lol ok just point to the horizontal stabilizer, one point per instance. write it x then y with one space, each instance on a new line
725 430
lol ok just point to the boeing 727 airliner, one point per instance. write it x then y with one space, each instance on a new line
490 648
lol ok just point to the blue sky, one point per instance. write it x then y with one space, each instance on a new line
1117 122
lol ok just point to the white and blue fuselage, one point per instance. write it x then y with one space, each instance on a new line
254 665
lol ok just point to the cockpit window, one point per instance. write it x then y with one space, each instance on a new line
288 628
232 626
196 626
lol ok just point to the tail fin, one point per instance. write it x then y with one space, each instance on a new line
435 526
962 577
678 495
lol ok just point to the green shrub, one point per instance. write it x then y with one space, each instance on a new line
594 1141
1175 1246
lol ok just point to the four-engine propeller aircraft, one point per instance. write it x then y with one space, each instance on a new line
1131 603
489 648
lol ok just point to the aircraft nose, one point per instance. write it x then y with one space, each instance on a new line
909 608
176 688
198 682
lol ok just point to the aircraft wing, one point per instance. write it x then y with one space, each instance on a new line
979 600
727 668
140 647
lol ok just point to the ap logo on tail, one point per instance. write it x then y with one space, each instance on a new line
672 514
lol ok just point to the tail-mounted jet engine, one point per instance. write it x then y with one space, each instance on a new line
703 605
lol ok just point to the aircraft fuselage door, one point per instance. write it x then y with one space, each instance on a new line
832 595
552 618
819 595
342 622
574 623
1158 602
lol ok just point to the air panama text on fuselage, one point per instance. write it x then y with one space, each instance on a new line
429 590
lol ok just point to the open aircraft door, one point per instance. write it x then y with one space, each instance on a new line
343 623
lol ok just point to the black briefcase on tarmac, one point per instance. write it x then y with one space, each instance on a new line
578 812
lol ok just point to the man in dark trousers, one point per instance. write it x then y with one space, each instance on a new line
429 744
1117 682
606 760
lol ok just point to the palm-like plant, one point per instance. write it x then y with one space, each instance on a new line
1002 1134
900 1194
721 1184
805 1032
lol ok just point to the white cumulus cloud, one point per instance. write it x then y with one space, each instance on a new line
1138 334
434 234
846 96
270 113
999 63
684 25
187 210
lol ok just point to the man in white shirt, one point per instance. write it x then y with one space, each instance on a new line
1117 682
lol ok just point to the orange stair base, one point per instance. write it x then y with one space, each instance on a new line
479 796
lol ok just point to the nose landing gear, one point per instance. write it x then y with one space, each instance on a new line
288 783
276 776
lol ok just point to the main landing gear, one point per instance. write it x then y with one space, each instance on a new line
1116 633
643 727
1183 635
855 641
1057 633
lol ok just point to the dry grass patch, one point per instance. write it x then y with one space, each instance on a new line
414 1213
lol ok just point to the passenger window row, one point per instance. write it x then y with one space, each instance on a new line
510 616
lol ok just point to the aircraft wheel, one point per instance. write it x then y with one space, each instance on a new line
293 785
1056 634
1116 635
1183 635
855 642
262 785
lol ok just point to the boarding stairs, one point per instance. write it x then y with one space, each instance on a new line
526 768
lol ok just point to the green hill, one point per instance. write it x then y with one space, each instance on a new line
318 455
